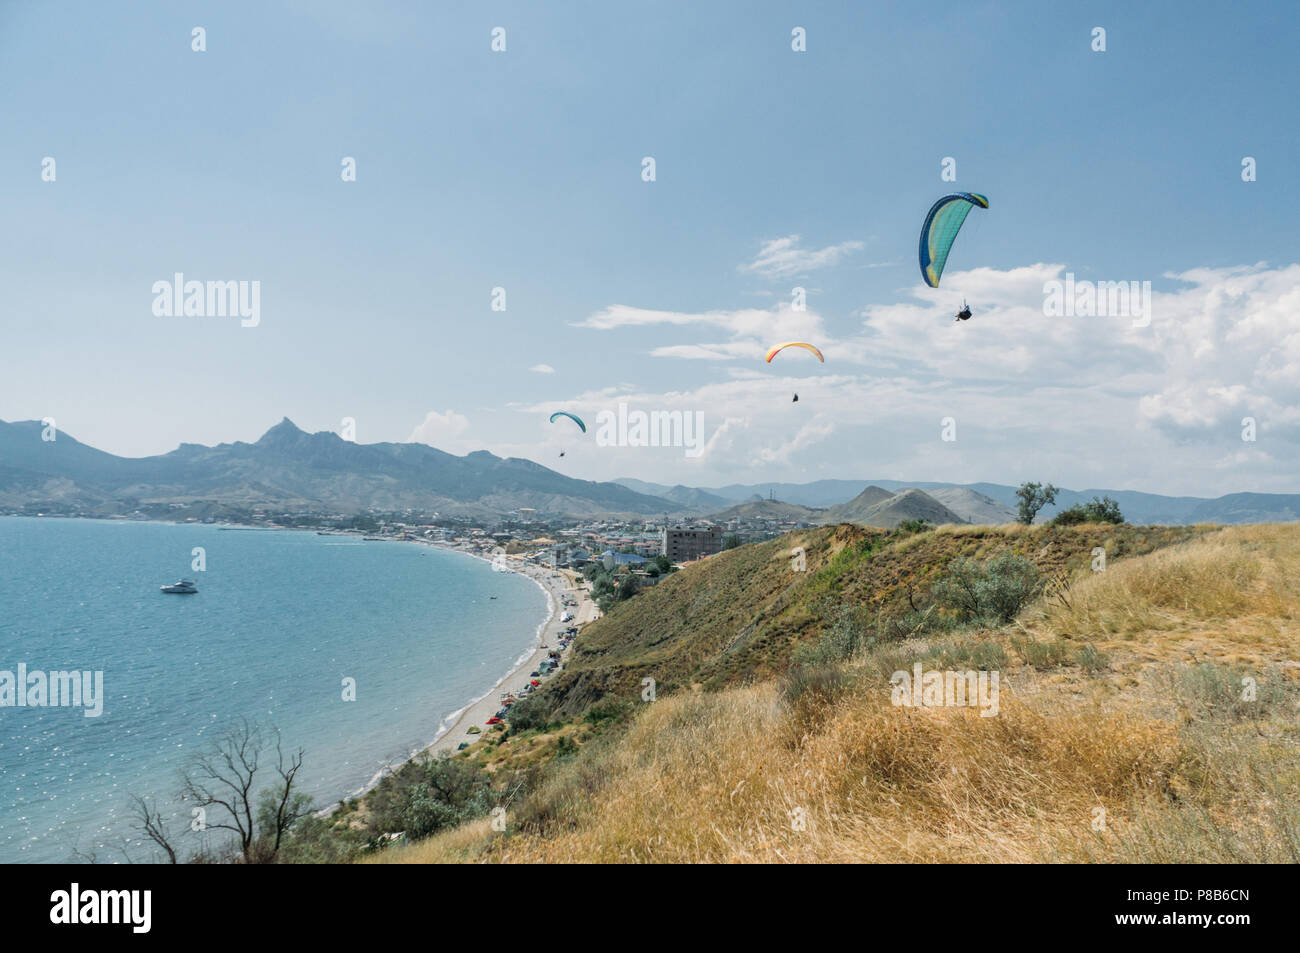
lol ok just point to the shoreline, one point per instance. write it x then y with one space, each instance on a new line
555 583
453 727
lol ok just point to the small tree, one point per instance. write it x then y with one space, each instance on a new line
1098 510
1033 497
628 588
731 541
149 822
281 807
224 776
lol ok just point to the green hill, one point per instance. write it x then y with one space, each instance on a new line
738 616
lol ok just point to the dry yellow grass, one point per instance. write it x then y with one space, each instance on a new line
1004 529
744 776
1233 578
464 843
717 778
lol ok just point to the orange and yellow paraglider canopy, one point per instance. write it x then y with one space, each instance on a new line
773 352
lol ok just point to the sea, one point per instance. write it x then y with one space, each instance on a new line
357 652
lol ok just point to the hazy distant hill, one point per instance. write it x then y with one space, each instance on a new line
973 507
682 495
817 493
290 469
1138 507
875 506
770 510
1248 508
855 509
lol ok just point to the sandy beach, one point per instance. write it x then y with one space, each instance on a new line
558 583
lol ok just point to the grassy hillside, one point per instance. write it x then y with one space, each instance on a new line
1148 713
738 616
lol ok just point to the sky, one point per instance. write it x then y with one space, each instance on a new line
774 168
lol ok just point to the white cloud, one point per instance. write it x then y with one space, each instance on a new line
443 431
542 369
750 331
1229 345
1082 401
813 432
783 258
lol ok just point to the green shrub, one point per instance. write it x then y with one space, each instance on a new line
425 796
992 592
880 661
1215 692
1049 654
1090 660
1099 510
845 638
607 710
321 840
978 654
560 794
820 684
915 623
529 714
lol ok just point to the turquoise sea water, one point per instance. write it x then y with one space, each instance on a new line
280 620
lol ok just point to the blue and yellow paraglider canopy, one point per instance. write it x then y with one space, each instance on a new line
940 230
576 419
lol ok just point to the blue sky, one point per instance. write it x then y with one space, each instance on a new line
522 169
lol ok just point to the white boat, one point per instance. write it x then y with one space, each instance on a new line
185 587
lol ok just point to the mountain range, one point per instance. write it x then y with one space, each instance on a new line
287 470
290 470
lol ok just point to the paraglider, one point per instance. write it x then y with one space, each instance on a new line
964 313
940 230
773 352
576 419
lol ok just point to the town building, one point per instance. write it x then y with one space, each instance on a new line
683 543
610 559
